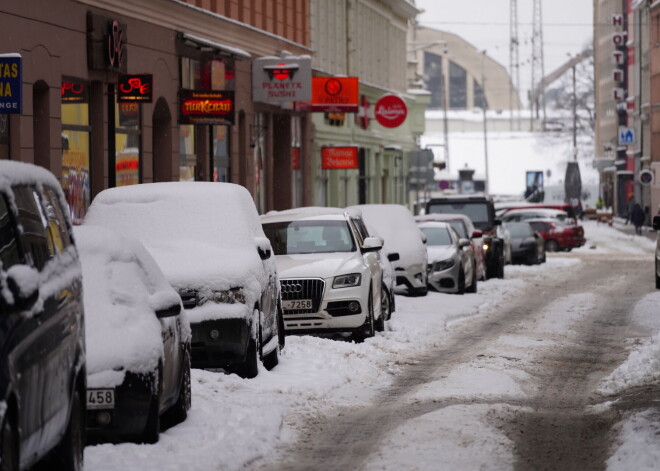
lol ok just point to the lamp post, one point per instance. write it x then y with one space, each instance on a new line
483 107
575 152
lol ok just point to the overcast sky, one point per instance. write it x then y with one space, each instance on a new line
567 29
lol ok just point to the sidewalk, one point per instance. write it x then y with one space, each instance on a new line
620 225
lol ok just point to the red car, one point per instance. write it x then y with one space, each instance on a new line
558 236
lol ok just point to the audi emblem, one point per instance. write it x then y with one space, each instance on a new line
292 288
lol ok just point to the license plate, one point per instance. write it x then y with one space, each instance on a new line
297 304
100 398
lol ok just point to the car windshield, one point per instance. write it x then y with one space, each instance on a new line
436 236
519 230
301 237
459 226
477 212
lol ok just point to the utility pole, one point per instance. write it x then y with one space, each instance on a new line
537 93
483 107
514 61
444 90
574 115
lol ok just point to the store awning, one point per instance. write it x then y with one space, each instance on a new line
207 44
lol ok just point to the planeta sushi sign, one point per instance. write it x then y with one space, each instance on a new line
10 83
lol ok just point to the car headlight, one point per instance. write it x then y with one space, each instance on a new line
486 247
443 264
230 296
347 281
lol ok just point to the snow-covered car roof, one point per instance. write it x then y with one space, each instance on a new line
202 234
306 212
123 287
542 211
442 217
394 223
433 224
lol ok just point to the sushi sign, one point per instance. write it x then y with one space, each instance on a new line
10 83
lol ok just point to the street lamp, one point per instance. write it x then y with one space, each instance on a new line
483 107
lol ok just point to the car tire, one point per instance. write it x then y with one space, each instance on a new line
367 330
68 454
8 446
385 304
281 334
473 286
249 368
551 246
461 281
272 359
657 278
179 411
151 431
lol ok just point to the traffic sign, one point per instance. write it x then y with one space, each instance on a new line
626 136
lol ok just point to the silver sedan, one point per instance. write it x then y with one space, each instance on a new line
452 266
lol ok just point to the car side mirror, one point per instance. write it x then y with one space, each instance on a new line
462 243
371 244
393 257
23 284
170 311
264 249
477 234
656 223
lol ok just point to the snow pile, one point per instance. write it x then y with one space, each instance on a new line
638 444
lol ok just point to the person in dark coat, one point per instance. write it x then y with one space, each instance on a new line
637 217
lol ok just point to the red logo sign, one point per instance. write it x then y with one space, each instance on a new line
135 88
339 157
390 111
72 91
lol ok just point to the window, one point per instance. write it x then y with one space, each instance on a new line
457 86
32 223
75 147
9 254
433 70
127 144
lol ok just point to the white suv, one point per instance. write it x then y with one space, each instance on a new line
331 278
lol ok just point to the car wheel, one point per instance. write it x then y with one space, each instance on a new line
272 359
657 278
179 411
551 246
379 324
68 454
281 334
8 446
152 428
385 305
249 368
368 329
461 281
473 285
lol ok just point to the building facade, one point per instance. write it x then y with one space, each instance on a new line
87 67
365 39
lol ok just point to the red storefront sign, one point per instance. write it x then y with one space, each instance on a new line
73 91
135 88
338 158
333 94
390 111
206 107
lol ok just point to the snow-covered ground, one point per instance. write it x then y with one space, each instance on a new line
235 421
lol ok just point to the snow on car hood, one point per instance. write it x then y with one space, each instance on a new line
319 265
437 253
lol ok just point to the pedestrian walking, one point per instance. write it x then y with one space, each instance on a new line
637 217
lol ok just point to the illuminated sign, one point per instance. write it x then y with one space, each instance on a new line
73 91
10 84
282 79
206 107
333 94
338 158
135 88
390 111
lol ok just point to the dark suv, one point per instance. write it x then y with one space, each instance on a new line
42 373
481 211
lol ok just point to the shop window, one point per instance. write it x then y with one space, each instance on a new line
75 147
127 144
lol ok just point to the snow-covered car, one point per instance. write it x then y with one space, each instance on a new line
396 225
527 246
466 230
138 340
331 278
208 240
452 267
42 362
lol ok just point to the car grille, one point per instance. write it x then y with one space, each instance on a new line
303 289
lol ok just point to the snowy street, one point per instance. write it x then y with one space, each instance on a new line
557 366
